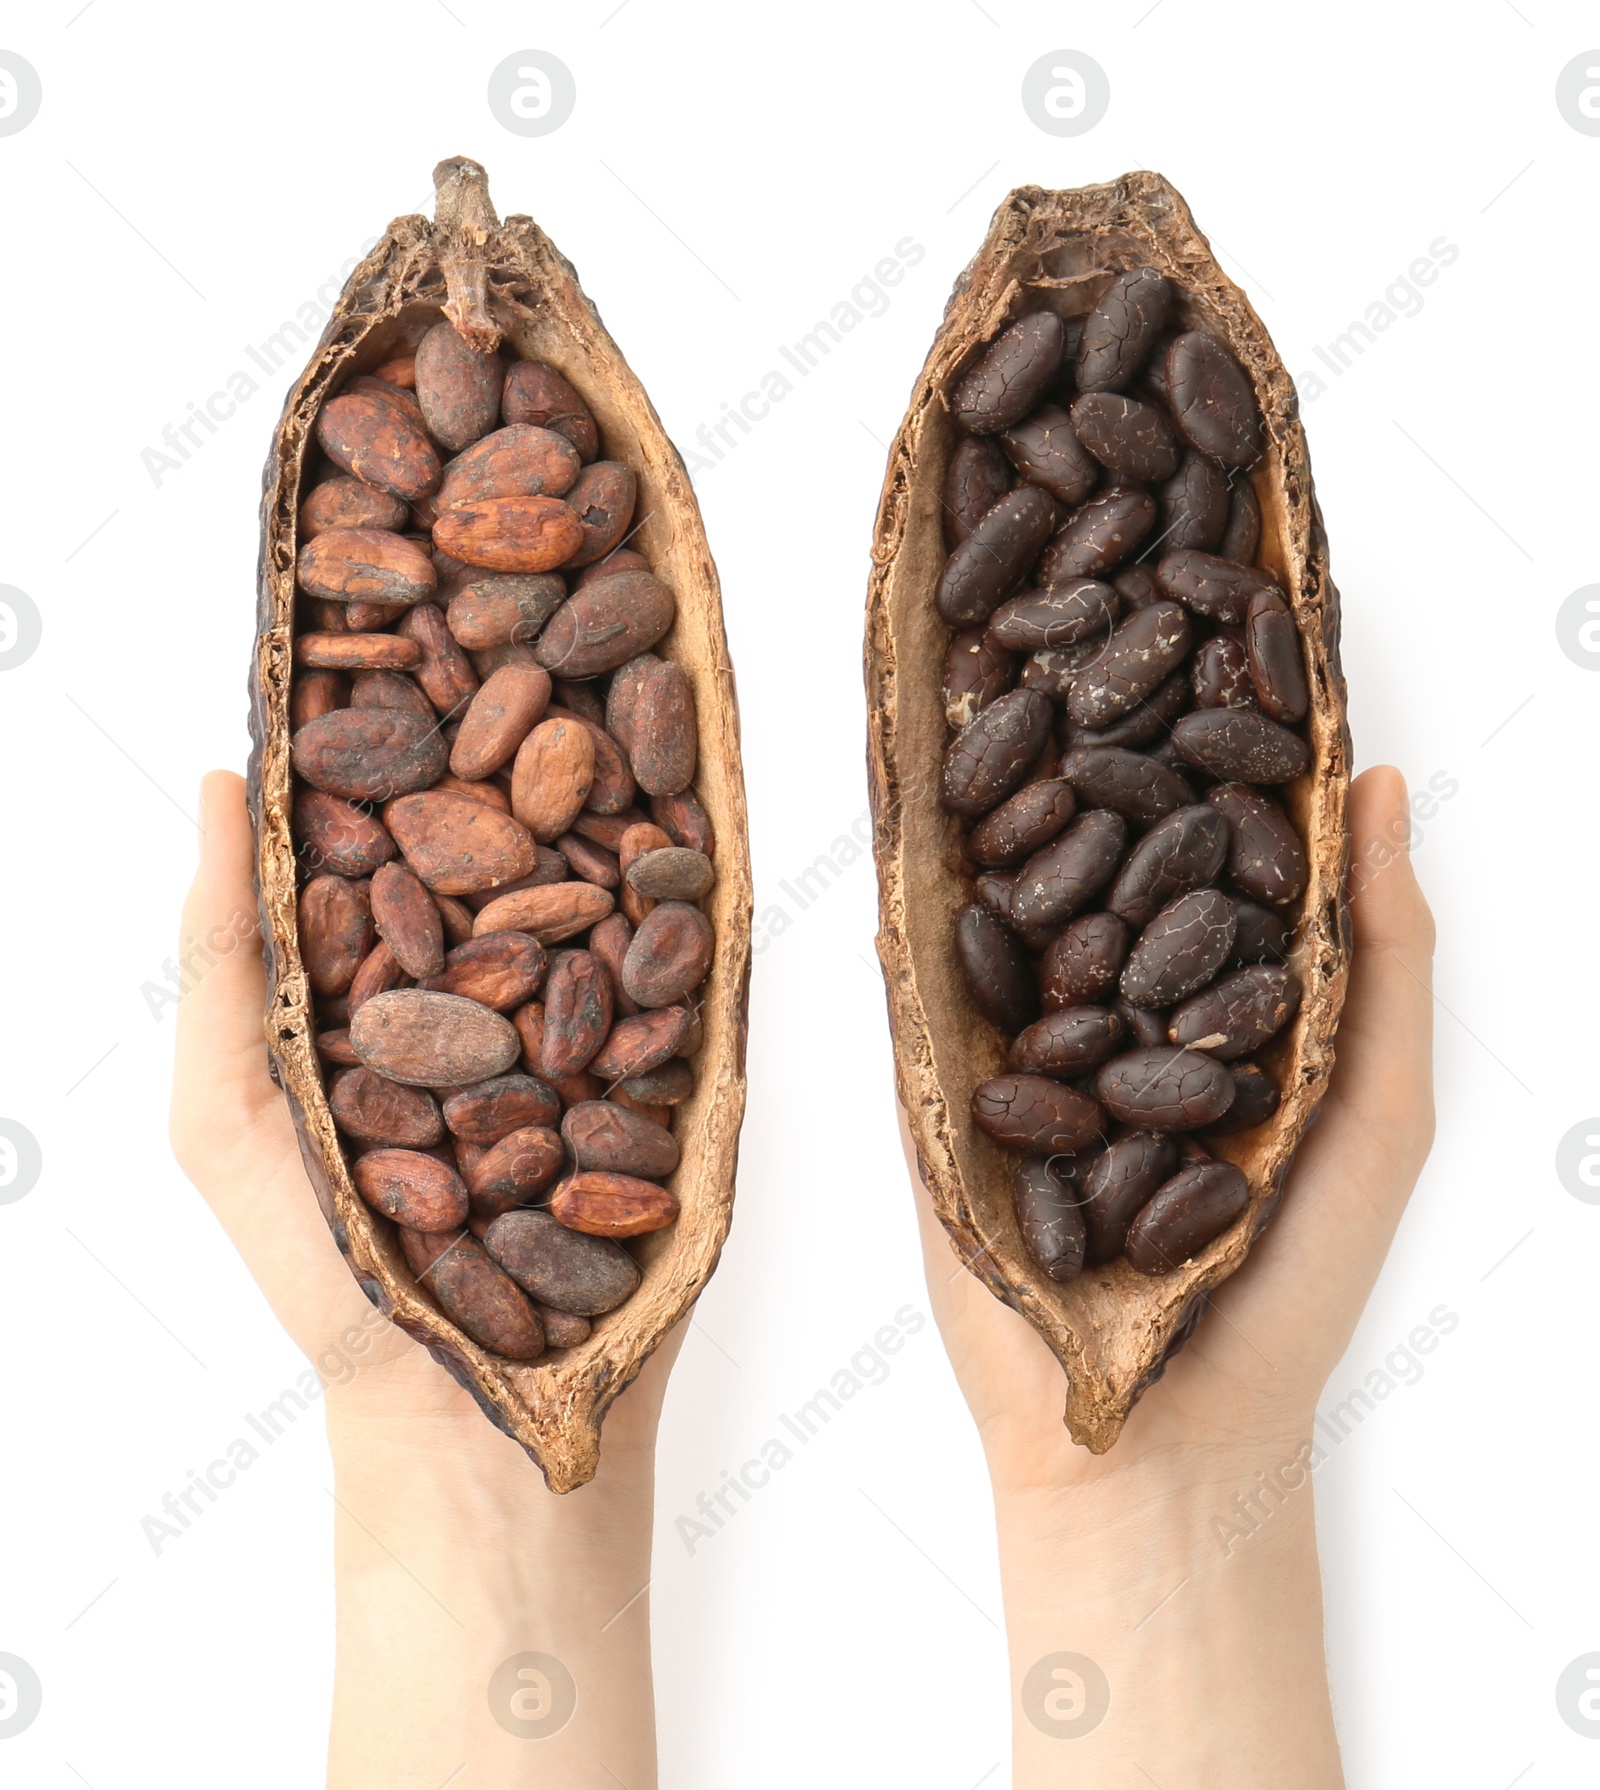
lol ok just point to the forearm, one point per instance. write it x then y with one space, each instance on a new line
1203 1614
441 1581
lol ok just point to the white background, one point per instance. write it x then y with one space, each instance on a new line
729 173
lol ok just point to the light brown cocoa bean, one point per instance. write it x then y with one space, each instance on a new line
412 1189
369 565
458 845
562 1329
457 918
432 1040
609 941
379 1111
335 931
317 693
671 874
504 608
334 1046
469 1289
661 742
549 867
643 837
390 690
378 443
619 559
445 673
593 863
641 1041
498 719
511 534
474 790
607 829
511 1172
608 1205
379 972
407 920
484 1114
458 386
552 776
685 821
517 461
368 754
497 969
356 652
538 394
613 788
344 502
604 1135
401 371
605 624
551 913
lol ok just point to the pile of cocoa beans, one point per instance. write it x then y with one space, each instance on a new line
502 944
1125 686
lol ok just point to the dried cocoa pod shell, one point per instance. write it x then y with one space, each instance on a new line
471 264
1110 1327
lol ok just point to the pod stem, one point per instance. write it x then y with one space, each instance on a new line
464 220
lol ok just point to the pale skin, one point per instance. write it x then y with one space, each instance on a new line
451 1556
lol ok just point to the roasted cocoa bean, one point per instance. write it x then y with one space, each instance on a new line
1066 1043
1211 586
1117 1184
1124 781
1241 746
1243 534
1191 1210
1049 1217
1120 331
1181 949
1165 1088
1098 535
977 671
999 976
1194 505
1011 375
1132 440
1022 823
1260 936
1083 962
1046 451
1221 675
1185 851
1238 1013
993 560
1064 876
1142 652
1028 1112
1273 651
977 479
1054 618
991 755
1211 400
1265 856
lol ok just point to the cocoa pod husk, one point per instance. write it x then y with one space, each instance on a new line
492 278
1111 1329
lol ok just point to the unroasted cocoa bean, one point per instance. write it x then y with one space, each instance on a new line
517 461
551 778
390 690
446 673
317 693
576 1273
369 754
380 444
335 931
379 1111
498 719
344 502
562 1329
371 565
511 534
552 912
670 955
593 863
457 845
577 1013
661 730
603 1135
432 1040
356 652
491 1110
458 387
379 972
503 608
471 1290
414 1190
685 822
671 873
499 970
407 920
605 624
668 1085
538 394
641 1041
610 1205
603 500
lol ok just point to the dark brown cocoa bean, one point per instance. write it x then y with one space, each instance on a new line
1120 331
977 671
458 386
1210 585
334 1046
1194 505
1165 1088
1238 1013
992 754
1083 962
999 975
1260 936
685 822
1126 782
1191 1210
1241 746
1132 440
1048 1217
1211 400
504 608
513 1171
1054 618
538 394
412 1189
1185 851
335 932
1180 950
993 560
1243 534
1098 535
1011 375
642 1041
670 955
977 478
1276 658
605 624
1052 671
593 863
469 1289
380 971
1144 1025
432 1040
562 1329
1141 724
577 1013
1117 1183
1066 1043
567 1269
1221 675
1255 1099
1029 1112
603 500
1265 856
669 1085
1137 587
379 1111
1062 877
407 920
1022 823
493 1109
1045 450
602 1135
661 729
1143 652
379 444
368 754
337 836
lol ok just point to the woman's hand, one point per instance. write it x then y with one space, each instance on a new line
451 1554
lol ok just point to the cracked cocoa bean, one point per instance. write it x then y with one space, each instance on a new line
1211 400
1221 675
1046 451
1083 961
1180 950
1265 856
1054 618
1128 782
1240 745
1063 876
1028 1112
978 478
1132 440
991 755
1165 1088
1255 1099
999 975
992 561
1048 1216
1117 1184
1022 823
1011 375
1191 1210
977 671
1238 1013
1120 331
1098 535
1273 652
1066 1043
1195 504
1186 850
